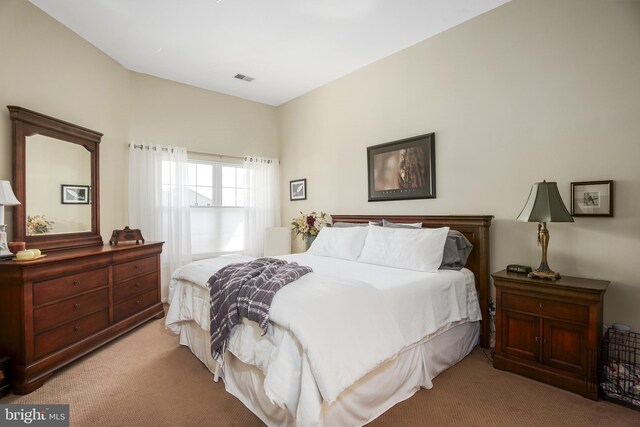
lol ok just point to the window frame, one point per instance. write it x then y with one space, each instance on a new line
217 196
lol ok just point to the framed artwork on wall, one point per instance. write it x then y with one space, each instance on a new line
592 198
75 194
298 189
403 170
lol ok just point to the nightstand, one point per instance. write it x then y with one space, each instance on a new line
4 376
550 330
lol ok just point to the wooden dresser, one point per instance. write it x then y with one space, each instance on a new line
550 330
61 307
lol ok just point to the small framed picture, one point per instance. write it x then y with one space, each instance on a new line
298 189
592 198
76 194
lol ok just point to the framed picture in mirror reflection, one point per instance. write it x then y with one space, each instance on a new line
75 194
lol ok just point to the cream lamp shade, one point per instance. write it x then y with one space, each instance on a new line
7 198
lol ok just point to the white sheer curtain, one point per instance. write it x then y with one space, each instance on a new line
159 203
262 201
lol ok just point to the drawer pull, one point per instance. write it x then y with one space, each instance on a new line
139 302
77 328
541 305
135 267
537 339
76 306
76 283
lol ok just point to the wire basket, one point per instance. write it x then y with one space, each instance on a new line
619 371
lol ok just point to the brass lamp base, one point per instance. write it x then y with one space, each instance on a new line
549 275
544 272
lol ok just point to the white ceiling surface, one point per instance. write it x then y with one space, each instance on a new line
290 46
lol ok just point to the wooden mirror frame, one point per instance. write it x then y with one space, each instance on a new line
27 123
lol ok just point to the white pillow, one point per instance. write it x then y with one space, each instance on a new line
386 223
411 249
343 243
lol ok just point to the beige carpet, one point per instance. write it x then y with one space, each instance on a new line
145 379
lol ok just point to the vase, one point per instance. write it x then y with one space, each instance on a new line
309 240
3 238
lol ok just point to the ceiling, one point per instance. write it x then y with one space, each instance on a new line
290 47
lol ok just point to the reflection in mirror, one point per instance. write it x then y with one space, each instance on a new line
58 182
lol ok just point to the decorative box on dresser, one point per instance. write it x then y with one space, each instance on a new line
59 308
550 330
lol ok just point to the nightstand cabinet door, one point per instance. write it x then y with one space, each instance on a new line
520 335
564 346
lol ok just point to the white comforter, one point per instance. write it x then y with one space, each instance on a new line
330 327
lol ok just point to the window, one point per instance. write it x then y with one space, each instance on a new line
169 180
216 196
232 186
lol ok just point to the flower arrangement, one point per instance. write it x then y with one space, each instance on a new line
37 224
309 225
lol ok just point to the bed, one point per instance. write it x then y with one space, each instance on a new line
280 376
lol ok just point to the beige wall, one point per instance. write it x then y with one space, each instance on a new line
169 113
49 69
529 91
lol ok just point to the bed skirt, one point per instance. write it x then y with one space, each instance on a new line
367 399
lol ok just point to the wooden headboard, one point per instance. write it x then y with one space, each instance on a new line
475 228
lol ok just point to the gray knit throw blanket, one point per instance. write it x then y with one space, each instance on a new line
246 290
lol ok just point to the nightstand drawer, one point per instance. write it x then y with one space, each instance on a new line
61 312
69 333
129 270
133 305
135 287
546 308
66 286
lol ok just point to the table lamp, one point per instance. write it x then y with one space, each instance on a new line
7 198
544 205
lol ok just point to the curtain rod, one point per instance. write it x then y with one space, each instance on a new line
195 152
217 155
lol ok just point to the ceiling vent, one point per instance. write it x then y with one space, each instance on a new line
243 77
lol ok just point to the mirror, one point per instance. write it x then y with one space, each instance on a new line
55 176
58 179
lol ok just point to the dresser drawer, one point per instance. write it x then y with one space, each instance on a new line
131 306
136 286
129 270
62 287
70 309
546 308
69 333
